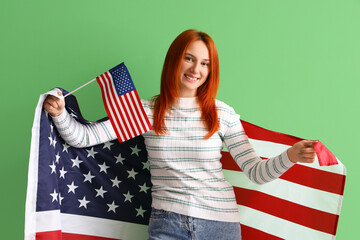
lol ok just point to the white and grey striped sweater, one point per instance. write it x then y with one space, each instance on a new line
186 172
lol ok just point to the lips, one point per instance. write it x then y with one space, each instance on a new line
191 78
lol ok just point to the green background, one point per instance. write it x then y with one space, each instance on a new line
290 66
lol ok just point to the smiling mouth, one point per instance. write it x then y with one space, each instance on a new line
191 78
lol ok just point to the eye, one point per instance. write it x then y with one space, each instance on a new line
188 59
205 64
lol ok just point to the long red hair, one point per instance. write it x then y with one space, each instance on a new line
169 89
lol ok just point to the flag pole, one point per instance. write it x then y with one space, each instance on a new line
79 87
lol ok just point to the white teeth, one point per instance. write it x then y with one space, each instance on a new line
192 79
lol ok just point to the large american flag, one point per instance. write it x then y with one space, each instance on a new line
122 103
103 192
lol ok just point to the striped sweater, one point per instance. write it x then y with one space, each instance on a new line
185 169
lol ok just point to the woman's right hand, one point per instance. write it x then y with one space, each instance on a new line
53 105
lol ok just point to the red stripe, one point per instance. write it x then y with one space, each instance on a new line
71 236
296 213
114 96
249 233
51 235
255 132
143 111
228 163
58 235
326 158
300 174
134 101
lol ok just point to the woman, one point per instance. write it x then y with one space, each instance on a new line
191 198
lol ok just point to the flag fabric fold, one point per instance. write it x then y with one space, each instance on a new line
104 192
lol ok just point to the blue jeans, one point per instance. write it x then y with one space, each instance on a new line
166 225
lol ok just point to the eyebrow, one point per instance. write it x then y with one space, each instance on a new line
195 57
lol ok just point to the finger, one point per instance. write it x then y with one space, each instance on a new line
52 103
307 159
308 143
49 106
312 156
308 150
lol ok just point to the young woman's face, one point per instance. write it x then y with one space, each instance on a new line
195 68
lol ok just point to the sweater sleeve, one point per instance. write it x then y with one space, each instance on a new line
81 135
259 171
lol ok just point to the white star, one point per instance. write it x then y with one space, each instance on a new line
57 157
135 150
83 202
60 198
132 174
112 206
100 192
146 165
54 142
62 173
91 153
53 168
66 146
54 195
108 145
115 182
128 196
51 127
119 159
76 162
72 187
103 167
50 139
88 177
144 188
140 211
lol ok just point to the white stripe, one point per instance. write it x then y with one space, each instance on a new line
296 193
278 226
30 204
270 149
48 221
100 227
107 99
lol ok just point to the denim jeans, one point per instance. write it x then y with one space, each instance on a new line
166 225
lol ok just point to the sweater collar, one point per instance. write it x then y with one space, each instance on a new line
187 102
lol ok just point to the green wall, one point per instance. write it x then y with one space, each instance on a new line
290 66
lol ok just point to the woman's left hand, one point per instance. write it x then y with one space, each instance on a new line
302 151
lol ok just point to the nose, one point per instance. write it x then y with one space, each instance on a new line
196 67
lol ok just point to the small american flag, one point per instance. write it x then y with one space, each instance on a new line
122 103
